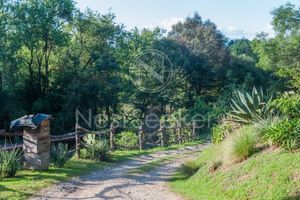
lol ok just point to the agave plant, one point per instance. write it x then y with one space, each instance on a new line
250 107
59 155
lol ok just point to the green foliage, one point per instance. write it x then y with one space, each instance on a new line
9 163
220 132
205 113
223 130
240 145
204 52
288 105
250 107
280 54
210 159
59 155
286 19
60 59
284 133
241 48
127 140
49 69
189 168
266 175
179 116
95 149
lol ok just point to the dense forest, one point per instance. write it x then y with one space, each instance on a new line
55 58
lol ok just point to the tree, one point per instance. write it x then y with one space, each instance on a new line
39 27
281 54
241 48
10 107
286 19
204 47
89 72
134 43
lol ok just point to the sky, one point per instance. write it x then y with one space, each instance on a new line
235 18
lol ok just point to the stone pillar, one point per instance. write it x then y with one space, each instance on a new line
36 146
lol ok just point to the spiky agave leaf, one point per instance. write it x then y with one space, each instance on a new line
250 107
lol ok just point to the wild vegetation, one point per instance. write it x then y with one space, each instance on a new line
256 143
56 59
9 163
127 140
95 149
59 154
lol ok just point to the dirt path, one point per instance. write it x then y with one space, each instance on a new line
116 183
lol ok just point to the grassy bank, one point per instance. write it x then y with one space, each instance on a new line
268 175
27 182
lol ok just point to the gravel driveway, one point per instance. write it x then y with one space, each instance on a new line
115 182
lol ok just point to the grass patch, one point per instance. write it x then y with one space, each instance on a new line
28 182
240 145
150 165
189 168
269 175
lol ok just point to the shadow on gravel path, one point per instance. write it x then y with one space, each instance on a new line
114 182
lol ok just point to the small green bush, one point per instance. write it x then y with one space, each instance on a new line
127 140
240 145
9 163
285 133
266 123
221 131
95 149
59 155
288 105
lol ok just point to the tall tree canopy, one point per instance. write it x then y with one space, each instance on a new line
55 59
281 54
204 46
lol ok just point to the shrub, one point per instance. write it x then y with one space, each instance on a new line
266 123
59 155
219 133
96 149
9 163
285 133
240 145
127 140
250 107
223 130
288 105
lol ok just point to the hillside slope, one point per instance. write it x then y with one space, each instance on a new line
269 175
